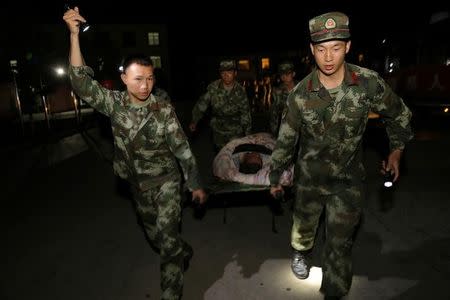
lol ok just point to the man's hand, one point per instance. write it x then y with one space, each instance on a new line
192 127
393 164
277 191
73 18
199 195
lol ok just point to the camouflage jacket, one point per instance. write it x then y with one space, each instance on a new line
148 139
279 101
161 94
330 131
230 110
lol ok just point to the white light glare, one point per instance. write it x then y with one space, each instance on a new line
60 71
315 276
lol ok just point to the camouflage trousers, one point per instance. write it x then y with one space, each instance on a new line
160 211
221 136
342 215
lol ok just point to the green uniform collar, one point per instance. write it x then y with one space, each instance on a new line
149 100
350 78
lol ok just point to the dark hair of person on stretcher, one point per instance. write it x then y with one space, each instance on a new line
251 161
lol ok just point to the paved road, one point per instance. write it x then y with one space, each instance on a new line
68 233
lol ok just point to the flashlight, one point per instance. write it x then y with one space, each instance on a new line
388 179
84 26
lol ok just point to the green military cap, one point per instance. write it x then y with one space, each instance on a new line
285 67
227 65
329 26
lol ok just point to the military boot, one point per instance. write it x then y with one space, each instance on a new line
299 265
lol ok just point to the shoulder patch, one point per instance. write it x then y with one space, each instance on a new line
309 85
355 78
155 106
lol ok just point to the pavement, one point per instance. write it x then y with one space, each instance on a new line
69 232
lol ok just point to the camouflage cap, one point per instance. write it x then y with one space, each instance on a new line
285 67
329 26
227 65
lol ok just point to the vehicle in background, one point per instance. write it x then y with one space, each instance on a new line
418 67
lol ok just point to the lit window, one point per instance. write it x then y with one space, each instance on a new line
156 61
153 38
244 65
265 63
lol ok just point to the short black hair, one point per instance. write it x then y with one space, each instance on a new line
138 58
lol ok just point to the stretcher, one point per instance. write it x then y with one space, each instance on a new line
228 178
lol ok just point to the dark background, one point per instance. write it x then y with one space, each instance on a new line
228 28
234 25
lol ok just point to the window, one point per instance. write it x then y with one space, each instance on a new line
265 63
244 65
156 61
153 38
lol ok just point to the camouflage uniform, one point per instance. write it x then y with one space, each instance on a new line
161 94
329 170
148 141
279 96
230 112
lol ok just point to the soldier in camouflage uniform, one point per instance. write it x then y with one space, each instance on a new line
230 109
148 141
280 94
327 114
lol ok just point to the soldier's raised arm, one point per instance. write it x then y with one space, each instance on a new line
81 76
73 18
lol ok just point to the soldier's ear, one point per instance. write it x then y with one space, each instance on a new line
311 46
347 46
123 76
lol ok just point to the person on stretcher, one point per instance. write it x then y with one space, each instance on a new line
247 160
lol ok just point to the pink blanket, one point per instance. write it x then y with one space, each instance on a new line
226 164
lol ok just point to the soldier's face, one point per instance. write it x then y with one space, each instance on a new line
287 77
228 77
330 55
139 80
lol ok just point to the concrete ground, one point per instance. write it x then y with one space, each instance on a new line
69 232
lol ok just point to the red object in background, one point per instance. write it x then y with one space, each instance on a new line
422 81
107 83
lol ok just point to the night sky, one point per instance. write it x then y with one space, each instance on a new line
221 28
235 24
